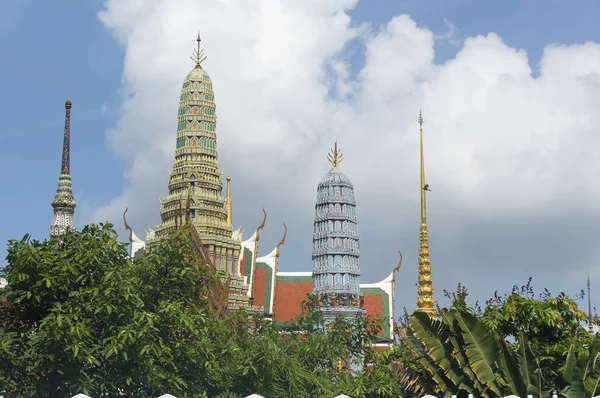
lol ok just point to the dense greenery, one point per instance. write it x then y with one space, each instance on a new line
80 316
552 324
461 354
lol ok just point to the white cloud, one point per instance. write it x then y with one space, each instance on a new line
500 144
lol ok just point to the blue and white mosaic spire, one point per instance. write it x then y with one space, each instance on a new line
336 268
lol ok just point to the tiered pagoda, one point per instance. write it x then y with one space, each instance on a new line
196 184
336 268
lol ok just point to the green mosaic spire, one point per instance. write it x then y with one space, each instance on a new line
64 202
196 182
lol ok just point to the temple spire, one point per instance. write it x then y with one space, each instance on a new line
425 299
590 326
198 57
229 214
64 202
424 187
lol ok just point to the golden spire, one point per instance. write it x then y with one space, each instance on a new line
198 57
335 157
229 214
425 299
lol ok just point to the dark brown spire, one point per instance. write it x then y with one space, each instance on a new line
590 326
66 154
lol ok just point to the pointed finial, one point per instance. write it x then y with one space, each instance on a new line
335 157
424 187
127 227
397 267
198 57
262 225
66 155
229 215
282 240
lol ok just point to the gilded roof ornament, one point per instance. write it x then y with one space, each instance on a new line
282 240
397 267
198 57
262 225
425 299
335 157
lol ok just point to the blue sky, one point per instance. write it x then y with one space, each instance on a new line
54 51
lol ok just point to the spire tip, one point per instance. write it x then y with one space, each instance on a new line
335 157
198 57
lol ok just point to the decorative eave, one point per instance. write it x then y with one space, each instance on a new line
387 285
270 260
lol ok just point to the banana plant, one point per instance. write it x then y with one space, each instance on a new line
461 353
582 372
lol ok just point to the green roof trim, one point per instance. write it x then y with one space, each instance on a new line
248 264
268 285
139 253
385 298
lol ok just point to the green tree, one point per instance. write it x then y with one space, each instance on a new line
81 317
553 324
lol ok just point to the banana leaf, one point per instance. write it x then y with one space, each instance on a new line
574 375
458 344
592 372
434 336
480 347
444 384
529 368
513 377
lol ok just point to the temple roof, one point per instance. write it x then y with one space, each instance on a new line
335 177
196 74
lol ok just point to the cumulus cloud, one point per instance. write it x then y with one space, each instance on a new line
511 155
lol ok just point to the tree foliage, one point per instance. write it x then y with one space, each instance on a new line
81 317
553 324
